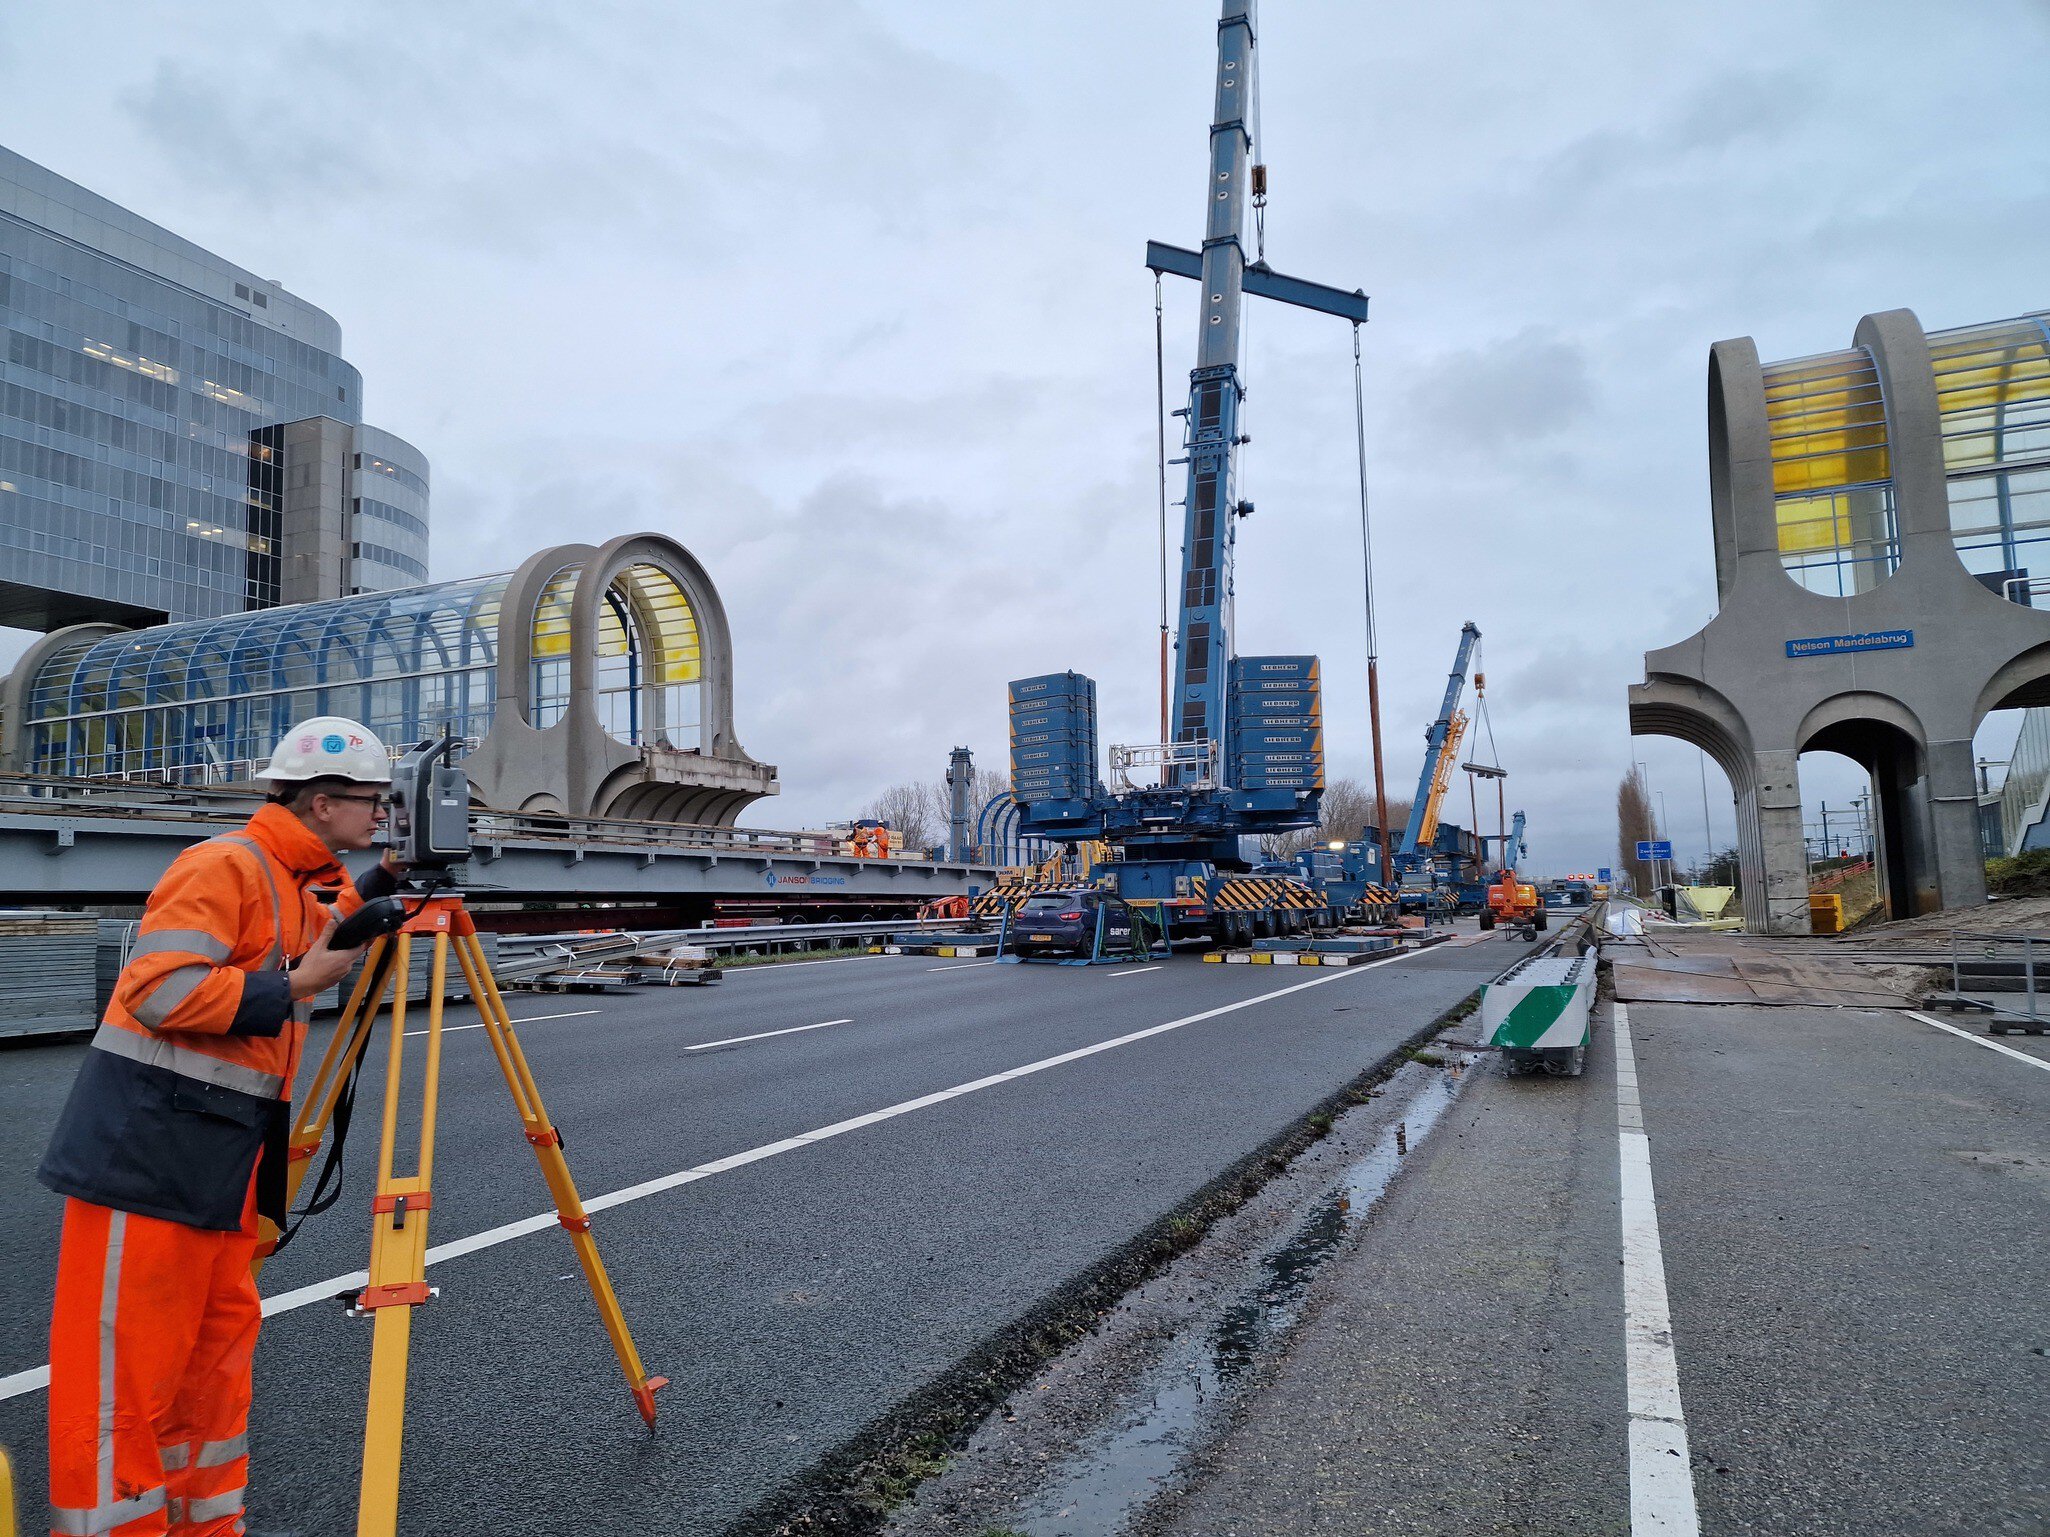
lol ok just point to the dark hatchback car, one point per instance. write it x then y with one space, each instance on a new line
1065 921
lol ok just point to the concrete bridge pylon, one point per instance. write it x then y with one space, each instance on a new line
1875 515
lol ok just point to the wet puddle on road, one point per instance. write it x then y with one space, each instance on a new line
1104 1482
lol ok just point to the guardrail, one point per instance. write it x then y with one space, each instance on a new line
1991 957
1830 880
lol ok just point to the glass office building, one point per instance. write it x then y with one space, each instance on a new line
148 470
387 519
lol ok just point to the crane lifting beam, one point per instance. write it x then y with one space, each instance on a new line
1263 282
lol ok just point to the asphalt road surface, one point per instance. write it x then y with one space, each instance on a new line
1852 1208
791 1297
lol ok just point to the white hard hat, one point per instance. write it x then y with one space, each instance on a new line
328 747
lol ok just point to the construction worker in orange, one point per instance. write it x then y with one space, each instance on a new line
173 1141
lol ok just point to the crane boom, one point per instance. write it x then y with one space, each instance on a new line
1441 780
1211 417
1439 742
1512 846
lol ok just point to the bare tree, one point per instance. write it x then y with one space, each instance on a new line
1348 809
1634 825
908 811
916 812
983 787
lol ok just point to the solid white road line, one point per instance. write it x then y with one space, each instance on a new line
1661 1478
1136 971
1966 1035
961 966
735 1040
531 1020
321 1291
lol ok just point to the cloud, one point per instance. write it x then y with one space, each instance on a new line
1532 385
531 132
847 298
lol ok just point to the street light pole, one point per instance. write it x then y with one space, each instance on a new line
1707 835
1644 783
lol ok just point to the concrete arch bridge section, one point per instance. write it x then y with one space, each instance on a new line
1881 522
594 681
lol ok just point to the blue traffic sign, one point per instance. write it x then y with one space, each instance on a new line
1604 875
1837 645
1654 850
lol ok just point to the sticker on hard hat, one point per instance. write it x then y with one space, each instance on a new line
333 744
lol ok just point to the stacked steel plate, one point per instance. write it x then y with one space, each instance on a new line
47 960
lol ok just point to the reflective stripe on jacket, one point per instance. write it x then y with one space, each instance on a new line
191 1070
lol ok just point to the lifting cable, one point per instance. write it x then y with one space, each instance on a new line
1359 418
1486 723
1160 433
1257 141
1359 421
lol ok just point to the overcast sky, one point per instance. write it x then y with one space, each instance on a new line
849 298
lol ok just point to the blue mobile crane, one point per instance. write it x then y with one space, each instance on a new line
1245 754
1512 844
1423 885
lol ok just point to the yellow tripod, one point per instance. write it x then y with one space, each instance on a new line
398 1240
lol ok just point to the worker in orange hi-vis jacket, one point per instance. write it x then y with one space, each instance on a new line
173 1142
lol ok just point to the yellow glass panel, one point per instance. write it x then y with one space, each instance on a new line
1827 421
1992 387
551 615
611 633
674 649
1808 523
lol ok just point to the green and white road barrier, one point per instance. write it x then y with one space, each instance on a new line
1537 1014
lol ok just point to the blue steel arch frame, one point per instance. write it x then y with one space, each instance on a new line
108 705
999 839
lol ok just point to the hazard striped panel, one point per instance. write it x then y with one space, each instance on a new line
1007 892
1254 893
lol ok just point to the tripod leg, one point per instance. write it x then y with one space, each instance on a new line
547 1144
398 1251
317 1106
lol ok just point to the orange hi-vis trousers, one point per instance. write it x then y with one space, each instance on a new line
151 1341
